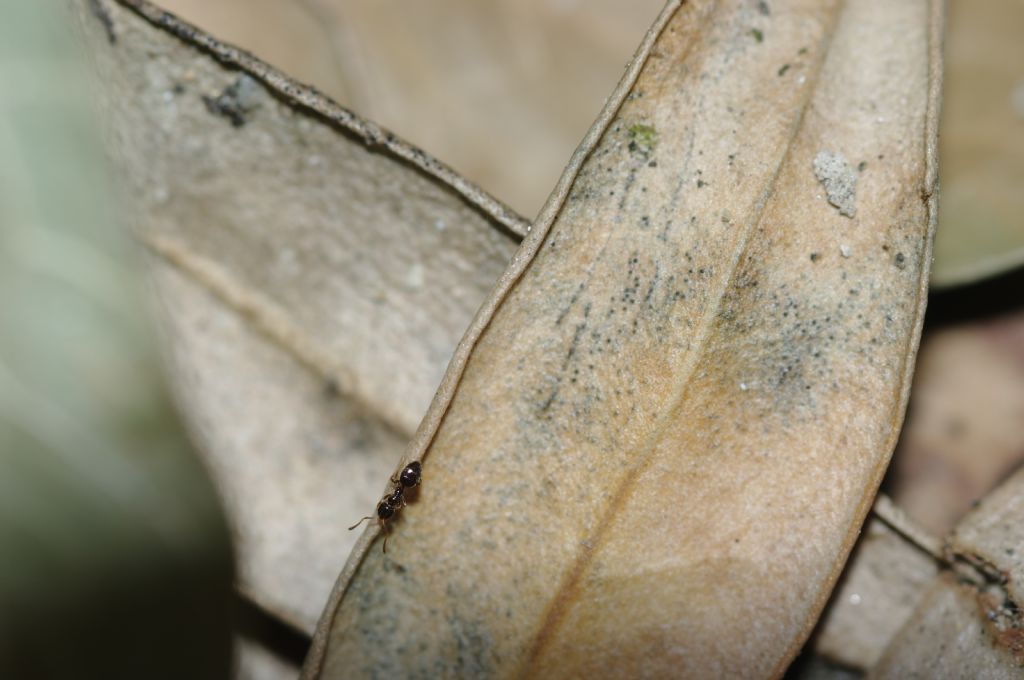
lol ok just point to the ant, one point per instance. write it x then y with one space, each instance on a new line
394 501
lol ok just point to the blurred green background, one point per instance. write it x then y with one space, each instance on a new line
114 554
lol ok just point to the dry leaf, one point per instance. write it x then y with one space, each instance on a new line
503 90
945 639
509 115
316 271
660 435
285 34
971 626
882 584
963 436
992 540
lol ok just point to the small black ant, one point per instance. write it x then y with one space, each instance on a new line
394 501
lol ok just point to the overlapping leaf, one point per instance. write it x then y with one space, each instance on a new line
316 272
662 432
969 624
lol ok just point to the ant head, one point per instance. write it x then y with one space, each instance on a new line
410 474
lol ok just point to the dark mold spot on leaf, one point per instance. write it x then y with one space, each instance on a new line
237 101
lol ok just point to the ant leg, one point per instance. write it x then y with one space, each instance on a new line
387 535
358 523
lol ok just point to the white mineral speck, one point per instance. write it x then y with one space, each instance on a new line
440 225
855 599
839 180
844 250
744 387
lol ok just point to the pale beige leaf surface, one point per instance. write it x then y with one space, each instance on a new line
879 590
503 90
293 460
971 627
541 67
316 271
661 433
285 34
963 436
946 639
993 537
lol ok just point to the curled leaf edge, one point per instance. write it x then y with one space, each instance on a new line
340 118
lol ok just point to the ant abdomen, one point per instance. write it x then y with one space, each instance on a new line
410 475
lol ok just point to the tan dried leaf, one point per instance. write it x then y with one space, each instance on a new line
660 435
962 437
286 34
403 64
992 538
503 90
878 592
971 624
316 273
945 638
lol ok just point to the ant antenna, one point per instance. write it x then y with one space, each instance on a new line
358 523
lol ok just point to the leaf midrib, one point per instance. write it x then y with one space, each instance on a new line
567 592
